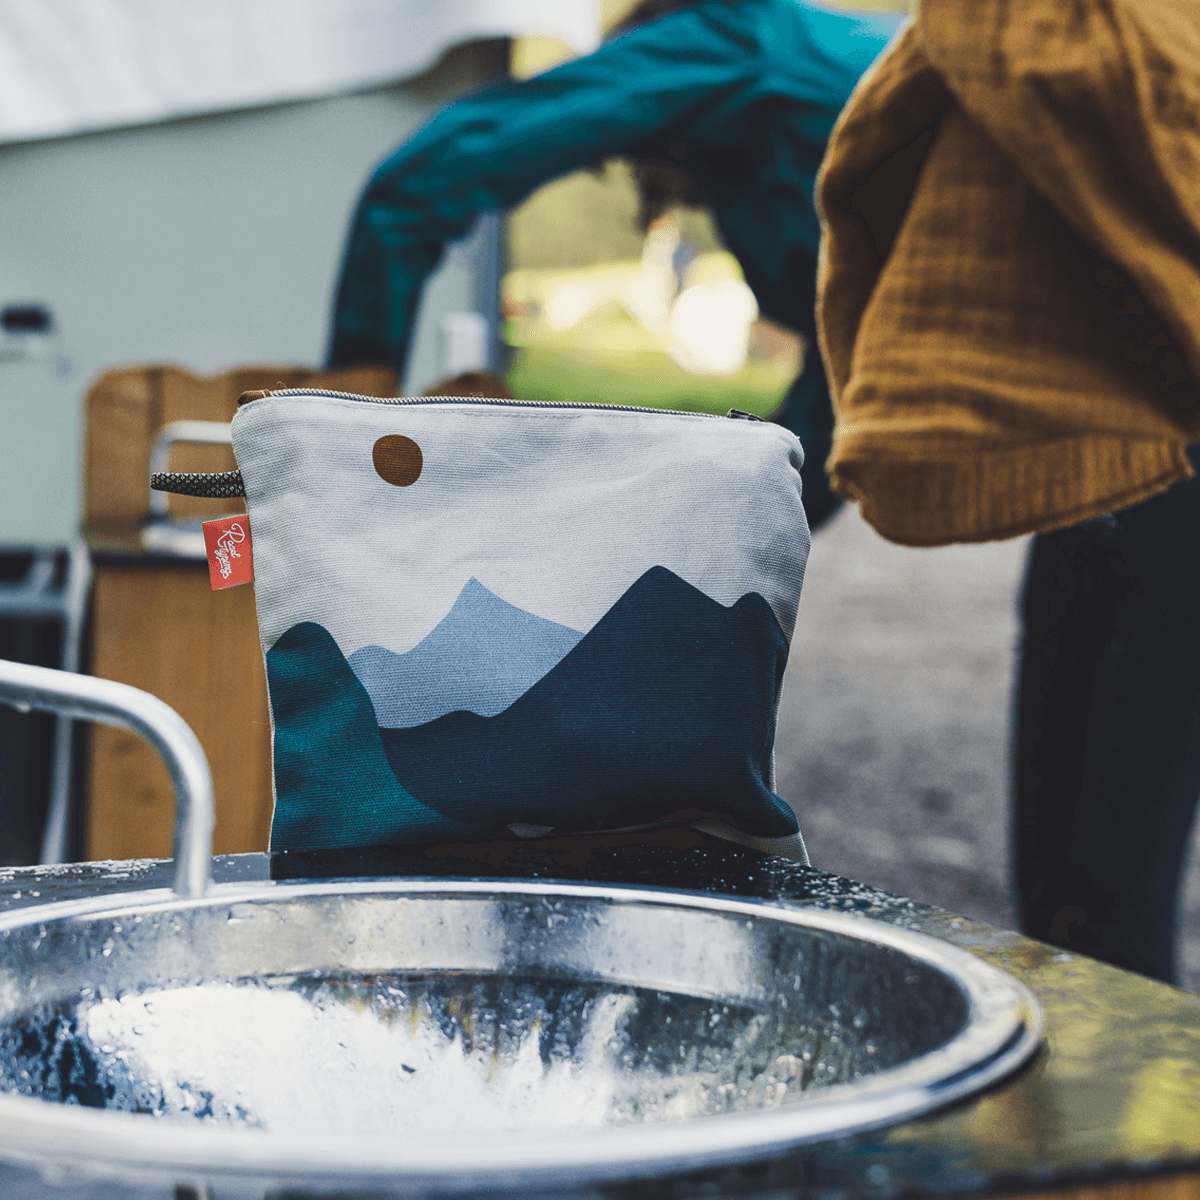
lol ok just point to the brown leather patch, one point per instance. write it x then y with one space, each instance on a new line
398 460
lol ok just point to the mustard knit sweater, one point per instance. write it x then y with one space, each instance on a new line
1009 290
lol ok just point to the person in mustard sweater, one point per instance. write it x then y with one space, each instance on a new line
1009 309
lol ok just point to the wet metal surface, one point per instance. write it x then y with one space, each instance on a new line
451 1034
1114 1093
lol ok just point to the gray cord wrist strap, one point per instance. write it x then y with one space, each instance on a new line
220 485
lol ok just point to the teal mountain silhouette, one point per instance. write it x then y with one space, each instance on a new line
481 656
333 785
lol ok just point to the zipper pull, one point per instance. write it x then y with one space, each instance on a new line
738 415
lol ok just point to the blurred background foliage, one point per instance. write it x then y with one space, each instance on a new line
596 311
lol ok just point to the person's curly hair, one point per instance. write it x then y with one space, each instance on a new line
662 182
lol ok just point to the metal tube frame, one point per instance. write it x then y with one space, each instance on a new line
83 696
75 594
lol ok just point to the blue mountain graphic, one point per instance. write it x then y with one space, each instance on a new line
333 787
479 658
666 705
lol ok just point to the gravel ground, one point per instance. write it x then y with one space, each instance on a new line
893 731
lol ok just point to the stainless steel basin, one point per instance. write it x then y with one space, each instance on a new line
420 1036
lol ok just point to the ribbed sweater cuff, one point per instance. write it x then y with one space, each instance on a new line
991 494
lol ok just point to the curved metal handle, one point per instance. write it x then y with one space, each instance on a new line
111 703
204 433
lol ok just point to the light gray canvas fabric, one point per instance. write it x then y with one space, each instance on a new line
530 534
555 510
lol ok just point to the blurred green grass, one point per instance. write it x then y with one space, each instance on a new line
645 380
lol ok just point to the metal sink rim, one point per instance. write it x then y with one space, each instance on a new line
1005 1028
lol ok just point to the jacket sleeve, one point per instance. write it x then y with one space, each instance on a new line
490 151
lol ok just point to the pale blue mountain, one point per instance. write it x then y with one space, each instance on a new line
484 654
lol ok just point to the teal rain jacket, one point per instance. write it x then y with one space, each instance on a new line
748 90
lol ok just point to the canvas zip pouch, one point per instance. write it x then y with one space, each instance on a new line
487 618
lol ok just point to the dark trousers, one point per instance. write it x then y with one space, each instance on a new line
808 412
1107 742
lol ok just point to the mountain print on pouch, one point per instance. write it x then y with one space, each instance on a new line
666 705
480 657
333 786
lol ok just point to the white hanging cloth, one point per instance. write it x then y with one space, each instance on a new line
68 66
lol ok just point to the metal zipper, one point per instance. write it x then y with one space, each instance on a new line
229 483
248 397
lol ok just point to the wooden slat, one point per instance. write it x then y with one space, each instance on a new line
163 629
127 407
117 446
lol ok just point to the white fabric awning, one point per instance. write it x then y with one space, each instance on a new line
68 66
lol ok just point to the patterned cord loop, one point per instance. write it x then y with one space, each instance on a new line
212 485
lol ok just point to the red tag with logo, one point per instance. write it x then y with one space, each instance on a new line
230 561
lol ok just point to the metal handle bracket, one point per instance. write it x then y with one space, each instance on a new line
111 703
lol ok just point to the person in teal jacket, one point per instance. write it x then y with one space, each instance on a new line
735 98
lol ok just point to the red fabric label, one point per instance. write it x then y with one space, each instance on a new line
230 561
